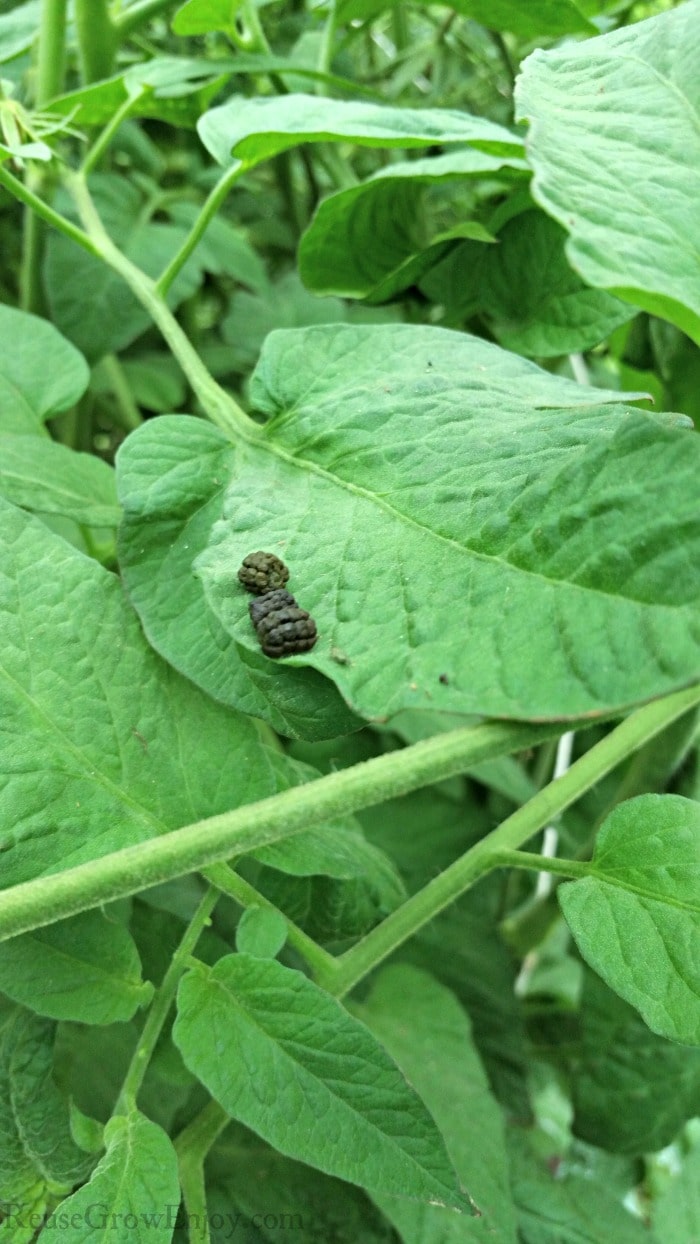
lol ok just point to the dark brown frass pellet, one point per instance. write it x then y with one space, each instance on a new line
262 605
262 572
285 631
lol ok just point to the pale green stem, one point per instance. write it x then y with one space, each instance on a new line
129 413
225 879
33 904
510 835
102 142
219 406
126 20
27 196
209 209
192 1147
49 82
542 863
162 1002
97 39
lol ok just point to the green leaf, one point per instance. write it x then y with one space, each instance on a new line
252 130
455 482
675 1215
359 238
95 728
424 1028
632 1090
47 477
265 1186
41 374
85 969
133 1193
615 146
636 917
287 1060
171 476
261 932
172 89
533 301
37 1153
198 17
572 1210
538 17
19 29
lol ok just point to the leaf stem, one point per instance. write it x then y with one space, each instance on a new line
626 738
208 210
542 863
101 143
192 1147
27 196
229 882
161 1004
32 904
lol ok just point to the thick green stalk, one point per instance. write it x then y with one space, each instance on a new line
97 39
162 1002
49 82
517 829
46 899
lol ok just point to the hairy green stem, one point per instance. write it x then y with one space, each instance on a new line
33 904
162 1002
208 210
542 863
509 836
192 1147
97 39
228 882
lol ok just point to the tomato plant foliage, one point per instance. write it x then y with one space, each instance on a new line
397 938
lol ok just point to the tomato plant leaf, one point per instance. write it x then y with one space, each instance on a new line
451 580
133 1191
636 918
85 969
42 475
257 129
615 147
171 477
286 1059
41 374
424 1028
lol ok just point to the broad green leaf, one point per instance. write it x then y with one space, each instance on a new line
615 146
632 1090
254 1187
531 298
496 539
572 1210
636 917
101 744
37 1153
133 1193
361 237
198 17
112 318
252 130
19 29
172 89
49 478
171 476
41 374
550 18
675 1215
286 1059
85 969
424 1028
261 932
154 379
